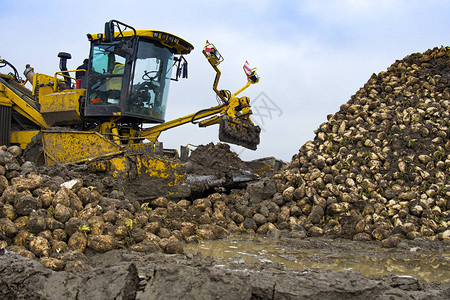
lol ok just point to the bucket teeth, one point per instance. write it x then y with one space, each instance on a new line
239 132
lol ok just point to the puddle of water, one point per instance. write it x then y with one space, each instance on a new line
255 249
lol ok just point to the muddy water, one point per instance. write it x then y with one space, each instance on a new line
369 259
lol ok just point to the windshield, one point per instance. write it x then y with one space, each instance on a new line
152 73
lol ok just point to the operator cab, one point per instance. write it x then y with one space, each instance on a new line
130 71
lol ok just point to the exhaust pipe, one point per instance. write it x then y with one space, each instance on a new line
63 57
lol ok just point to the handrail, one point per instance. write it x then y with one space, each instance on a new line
65 76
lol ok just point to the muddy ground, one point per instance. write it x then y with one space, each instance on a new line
124 274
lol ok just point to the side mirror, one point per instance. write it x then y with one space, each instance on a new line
182 68
121 27
109 31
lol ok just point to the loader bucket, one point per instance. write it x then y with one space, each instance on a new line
239 132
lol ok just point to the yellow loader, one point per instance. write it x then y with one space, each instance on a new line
99 114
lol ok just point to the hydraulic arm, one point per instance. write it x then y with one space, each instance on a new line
232 114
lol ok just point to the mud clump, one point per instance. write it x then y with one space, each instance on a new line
210 166
215 159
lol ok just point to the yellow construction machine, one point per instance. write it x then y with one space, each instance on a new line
99 114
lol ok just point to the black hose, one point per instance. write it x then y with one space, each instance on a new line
4 63
205 110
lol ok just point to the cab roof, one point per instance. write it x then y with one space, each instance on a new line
177 44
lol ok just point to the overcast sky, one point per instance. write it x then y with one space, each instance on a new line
311 55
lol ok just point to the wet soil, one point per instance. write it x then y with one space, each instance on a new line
421 259
124 274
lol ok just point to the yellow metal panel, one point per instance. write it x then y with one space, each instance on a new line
22 107
43 84
5 101
23 138
76 146
173 173
62 108
138 146
144 168
154 166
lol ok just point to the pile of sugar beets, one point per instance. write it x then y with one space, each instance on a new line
379 169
